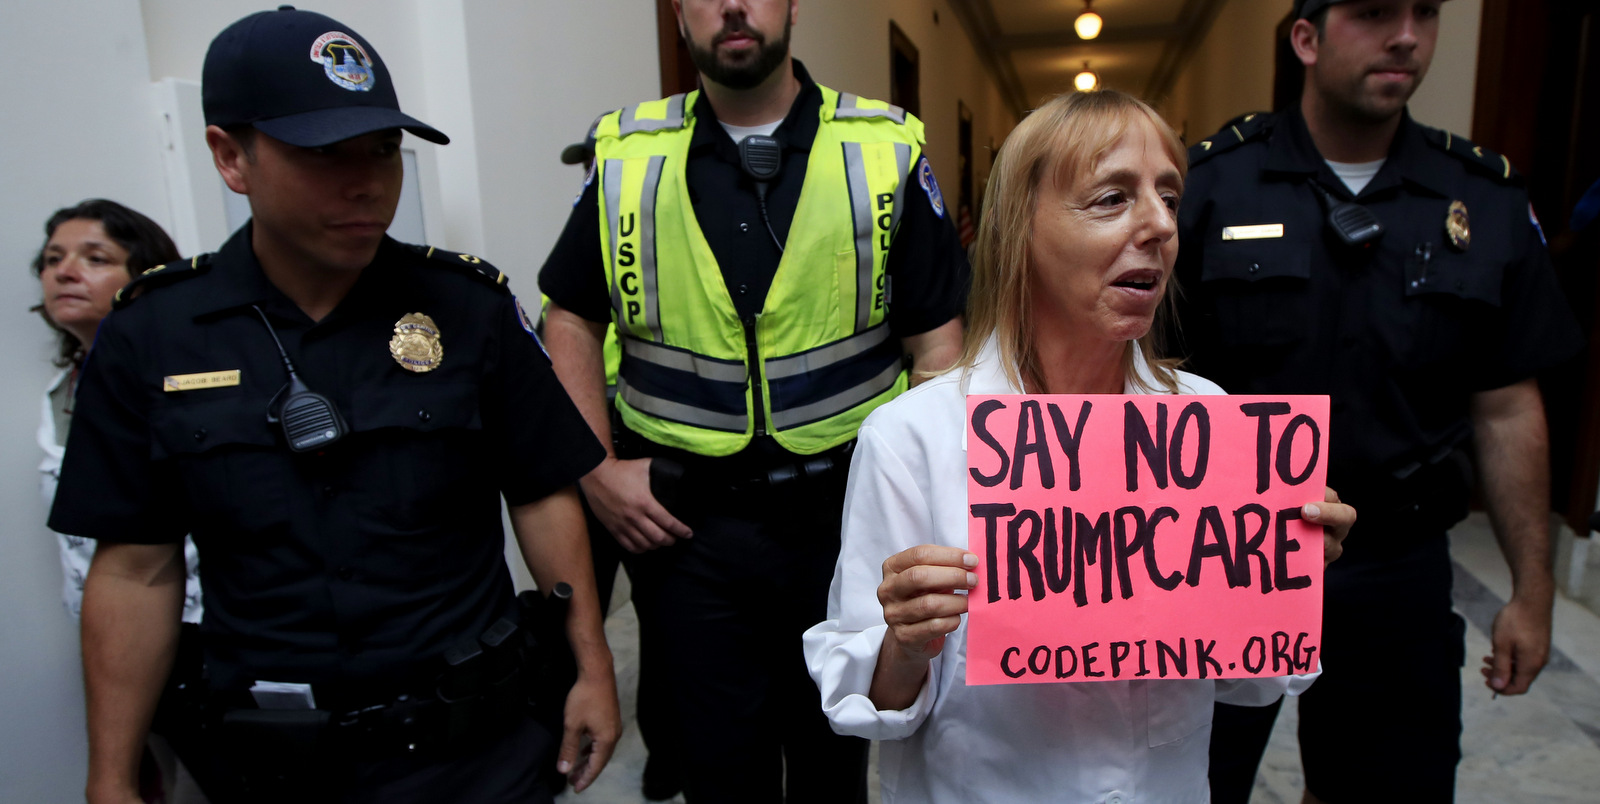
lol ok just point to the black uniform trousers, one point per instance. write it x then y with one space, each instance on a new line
722 613
1383 721
653 698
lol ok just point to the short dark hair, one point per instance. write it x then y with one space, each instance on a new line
245 135
145 241
1320 20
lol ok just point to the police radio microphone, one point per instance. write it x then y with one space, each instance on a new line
1354 224
762 159
309 420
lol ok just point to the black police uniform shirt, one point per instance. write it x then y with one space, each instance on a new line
927 268
1400 333
361 562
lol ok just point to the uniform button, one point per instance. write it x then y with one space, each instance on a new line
743 289
424 415
345 573
744 227
1116 797
1254 267
200 434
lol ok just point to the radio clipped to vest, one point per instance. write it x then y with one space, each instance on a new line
762 160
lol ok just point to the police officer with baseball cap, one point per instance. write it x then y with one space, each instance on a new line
336 417
1340 247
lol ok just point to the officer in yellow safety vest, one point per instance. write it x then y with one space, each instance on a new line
777 261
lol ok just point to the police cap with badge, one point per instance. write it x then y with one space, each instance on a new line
255 74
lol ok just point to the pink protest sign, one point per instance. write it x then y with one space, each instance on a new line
1144 537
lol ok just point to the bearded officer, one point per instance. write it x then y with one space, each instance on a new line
770 250
1342 248
335 416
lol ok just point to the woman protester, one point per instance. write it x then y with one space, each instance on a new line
91 251
1072 266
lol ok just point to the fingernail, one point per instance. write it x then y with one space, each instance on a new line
1498 683
564 766
972 580
1313 510
969 560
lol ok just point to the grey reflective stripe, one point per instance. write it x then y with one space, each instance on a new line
679 412
902 157
612 187
855 171
646 224
838 403
630 124
706 368
848 107
824 356
647 244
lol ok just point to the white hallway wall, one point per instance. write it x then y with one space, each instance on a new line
511 82
78 124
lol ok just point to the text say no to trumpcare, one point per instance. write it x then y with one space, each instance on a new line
1144 537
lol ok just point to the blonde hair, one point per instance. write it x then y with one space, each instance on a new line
1069 134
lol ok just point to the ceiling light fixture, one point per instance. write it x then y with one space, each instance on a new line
1088 24
1088 80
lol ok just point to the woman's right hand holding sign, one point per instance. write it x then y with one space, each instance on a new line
922 606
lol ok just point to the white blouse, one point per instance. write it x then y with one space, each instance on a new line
1111 741
76 551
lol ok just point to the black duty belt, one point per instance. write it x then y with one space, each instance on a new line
1420 499
488 684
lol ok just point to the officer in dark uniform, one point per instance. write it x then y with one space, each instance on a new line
735 525
335 416
1342 248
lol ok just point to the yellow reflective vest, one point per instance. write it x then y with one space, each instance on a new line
819 356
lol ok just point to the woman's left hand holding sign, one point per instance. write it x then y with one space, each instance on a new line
1336 518
921 606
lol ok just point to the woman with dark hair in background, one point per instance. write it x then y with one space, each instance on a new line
91 251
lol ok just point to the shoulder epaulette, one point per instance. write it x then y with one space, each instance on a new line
1235 132
1478 157
160 276
657 115
466 264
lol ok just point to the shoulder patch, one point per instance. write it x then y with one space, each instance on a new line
930 185
1479 158
161 276
1234 133
465 263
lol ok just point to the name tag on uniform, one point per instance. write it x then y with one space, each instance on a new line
1264 231
194 382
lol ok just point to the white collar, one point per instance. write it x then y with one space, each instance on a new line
988 376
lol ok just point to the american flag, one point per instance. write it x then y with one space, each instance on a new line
965 227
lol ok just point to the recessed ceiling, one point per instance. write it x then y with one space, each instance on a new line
1035 53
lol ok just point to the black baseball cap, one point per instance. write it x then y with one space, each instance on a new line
1307 8
303 78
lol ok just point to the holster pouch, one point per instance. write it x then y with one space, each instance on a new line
275 750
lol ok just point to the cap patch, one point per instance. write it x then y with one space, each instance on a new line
344 61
